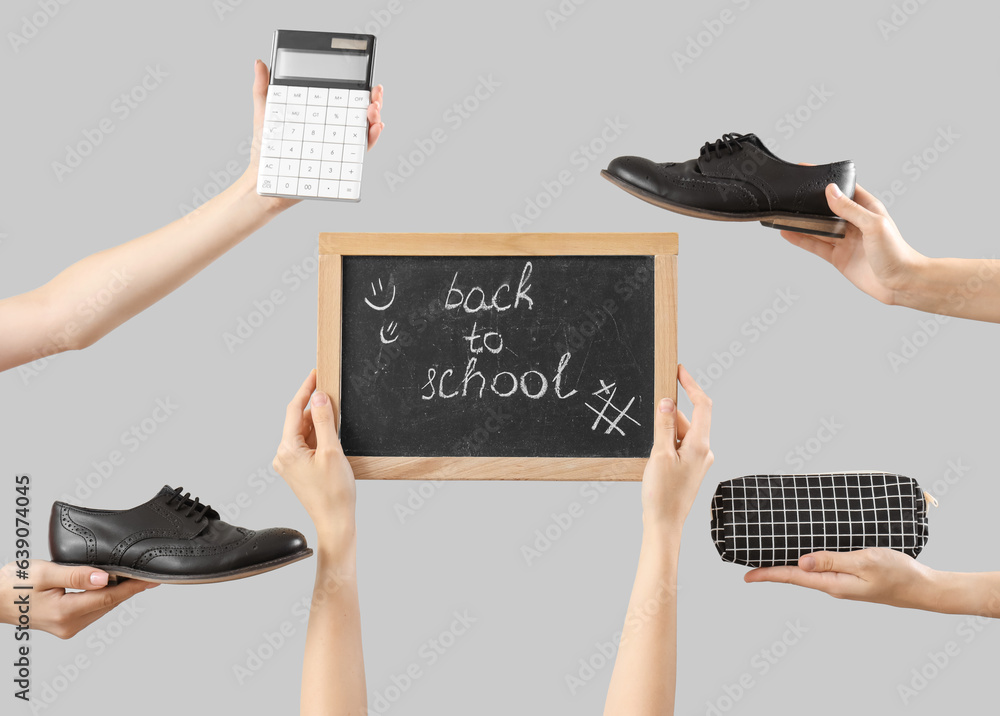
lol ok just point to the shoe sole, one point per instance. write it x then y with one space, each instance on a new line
118 573
830 227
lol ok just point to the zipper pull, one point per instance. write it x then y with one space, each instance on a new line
931 500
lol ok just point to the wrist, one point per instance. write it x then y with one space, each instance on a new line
264 206
337 540
916 283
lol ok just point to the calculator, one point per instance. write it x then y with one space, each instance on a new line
316 118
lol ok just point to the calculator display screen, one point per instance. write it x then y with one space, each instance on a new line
303 65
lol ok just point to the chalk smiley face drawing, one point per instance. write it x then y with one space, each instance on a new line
381 297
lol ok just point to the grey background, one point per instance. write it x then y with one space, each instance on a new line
826 356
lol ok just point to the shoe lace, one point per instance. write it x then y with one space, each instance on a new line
194 505
728 142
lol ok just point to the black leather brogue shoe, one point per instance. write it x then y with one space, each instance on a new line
172 539
737 178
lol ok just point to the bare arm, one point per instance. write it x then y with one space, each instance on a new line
312 462
100 292
643 682
876 259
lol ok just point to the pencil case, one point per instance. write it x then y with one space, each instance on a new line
771 520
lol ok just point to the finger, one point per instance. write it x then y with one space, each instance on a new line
701 415
665 426
822 581
683 425
869 201
80 603
811 244
847 209
324 422
293 415
374 132
260 79
844 562
47 575
378 95
309 432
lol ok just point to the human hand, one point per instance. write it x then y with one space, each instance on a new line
873 255
261 78
312 462
55 610
878 575
679 459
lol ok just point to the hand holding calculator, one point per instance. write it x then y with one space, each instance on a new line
316 117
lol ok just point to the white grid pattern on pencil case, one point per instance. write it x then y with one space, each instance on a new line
909 509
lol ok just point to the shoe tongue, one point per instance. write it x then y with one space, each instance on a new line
166 491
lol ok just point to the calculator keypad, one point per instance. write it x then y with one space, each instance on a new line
314 142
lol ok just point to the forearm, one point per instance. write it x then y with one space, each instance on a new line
964 288
100 292
975 594
645 672
333 673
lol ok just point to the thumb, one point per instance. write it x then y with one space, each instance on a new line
665 428
55 576
260 80
849 209
324 422
827 562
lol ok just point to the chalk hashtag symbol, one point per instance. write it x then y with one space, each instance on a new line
607 394
22 574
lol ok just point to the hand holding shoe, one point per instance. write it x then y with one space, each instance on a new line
873 255
55 610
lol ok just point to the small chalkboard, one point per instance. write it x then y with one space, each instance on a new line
497 356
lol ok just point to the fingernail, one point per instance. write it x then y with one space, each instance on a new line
836 191
666 405
99 579
319 399
808 563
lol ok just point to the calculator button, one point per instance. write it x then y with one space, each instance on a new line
273 130
330 171
287 185
359 98
350 189
336 115
316 115
277 93
289 168
309 169
333 134
312 150
333 152
356 135
338 98
318 95
266 184
293 132
269 166
357 117
275 112
350 172
295 114
314 132
297 95
291 150
329 189
271 149
353 153
308 187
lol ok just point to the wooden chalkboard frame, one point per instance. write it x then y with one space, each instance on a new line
334 246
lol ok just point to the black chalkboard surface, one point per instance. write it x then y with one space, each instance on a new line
497 356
